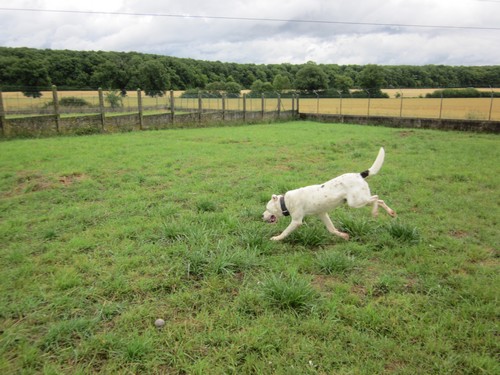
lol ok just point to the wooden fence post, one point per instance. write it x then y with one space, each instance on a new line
55 100
491 105
262 106
279 105
223 107
139 107
101 108
401 106
200 106
244 107
441 106
2 115
172 105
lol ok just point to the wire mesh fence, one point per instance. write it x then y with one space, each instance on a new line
87 102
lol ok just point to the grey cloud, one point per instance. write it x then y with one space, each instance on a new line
265 41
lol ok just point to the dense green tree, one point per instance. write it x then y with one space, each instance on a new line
311 78
153 78
343 83
233 89
258 88
33 70
67 70
281 83
118 71
371 79
216 88
32 77
7 70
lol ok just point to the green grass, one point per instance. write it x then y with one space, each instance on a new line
101 235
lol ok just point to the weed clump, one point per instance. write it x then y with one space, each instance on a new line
331 263
403 232
289 293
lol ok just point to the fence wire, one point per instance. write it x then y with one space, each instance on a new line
87 102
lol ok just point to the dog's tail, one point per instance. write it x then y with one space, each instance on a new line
377 164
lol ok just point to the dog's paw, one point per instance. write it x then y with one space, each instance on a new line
275 238
393 213
345 236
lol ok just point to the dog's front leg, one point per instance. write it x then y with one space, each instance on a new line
331 228
295 223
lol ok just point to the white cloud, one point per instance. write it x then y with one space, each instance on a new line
348 34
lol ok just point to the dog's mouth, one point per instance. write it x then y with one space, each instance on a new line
272 219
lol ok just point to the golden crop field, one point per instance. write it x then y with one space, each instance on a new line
420 93
408 105
450 108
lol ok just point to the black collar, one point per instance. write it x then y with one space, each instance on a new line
284 210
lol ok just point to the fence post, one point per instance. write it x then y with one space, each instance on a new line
200 106
2 115
139 106
223 107
101 108
491 105
298 105
244 107
262 105
279 105
340 104
55 99
401 106
172 105
369 98
441 106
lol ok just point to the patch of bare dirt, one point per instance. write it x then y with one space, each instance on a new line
70 179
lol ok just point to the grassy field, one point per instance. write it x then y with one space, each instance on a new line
101 235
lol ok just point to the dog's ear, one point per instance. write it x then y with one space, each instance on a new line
275 197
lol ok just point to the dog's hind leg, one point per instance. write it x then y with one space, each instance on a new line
379 202
331 228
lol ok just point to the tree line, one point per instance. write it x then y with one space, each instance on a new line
34 70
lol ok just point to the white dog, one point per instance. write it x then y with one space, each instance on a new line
319 199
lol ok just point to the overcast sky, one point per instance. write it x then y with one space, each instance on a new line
385 32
